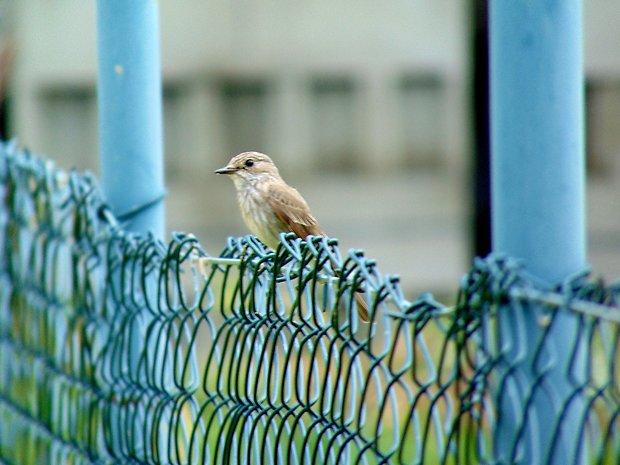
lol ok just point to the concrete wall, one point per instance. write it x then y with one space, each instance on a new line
349 84
313 83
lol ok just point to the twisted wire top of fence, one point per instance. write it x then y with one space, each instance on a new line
116 348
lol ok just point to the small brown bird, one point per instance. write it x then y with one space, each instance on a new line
270 207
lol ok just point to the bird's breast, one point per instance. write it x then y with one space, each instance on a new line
259 216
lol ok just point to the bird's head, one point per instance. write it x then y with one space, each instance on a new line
249 167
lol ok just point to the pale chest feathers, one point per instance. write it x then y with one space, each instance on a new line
259 216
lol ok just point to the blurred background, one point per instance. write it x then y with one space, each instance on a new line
374 110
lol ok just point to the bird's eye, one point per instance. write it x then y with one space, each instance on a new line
249 162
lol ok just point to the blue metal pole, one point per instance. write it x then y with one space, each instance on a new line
131 145
130 112
538 210
537 134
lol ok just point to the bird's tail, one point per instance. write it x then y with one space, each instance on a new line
362 307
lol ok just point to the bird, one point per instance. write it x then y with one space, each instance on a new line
269 206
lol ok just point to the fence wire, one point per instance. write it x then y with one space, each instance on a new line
116 348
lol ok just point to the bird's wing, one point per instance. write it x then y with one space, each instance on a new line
293 210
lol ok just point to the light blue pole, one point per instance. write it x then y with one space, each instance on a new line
537 134
131 145
538 206
130 112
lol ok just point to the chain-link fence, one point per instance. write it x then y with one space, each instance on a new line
116 348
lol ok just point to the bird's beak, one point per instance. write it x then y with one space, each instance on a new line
226 170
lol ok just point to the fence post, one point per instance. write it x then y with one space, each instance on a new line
131 153
130 112
538 209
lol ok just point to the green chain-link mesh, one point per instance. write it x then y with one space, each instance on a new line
117 349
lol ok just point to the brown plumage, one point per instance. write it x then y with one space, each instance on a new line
270 207
292 210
